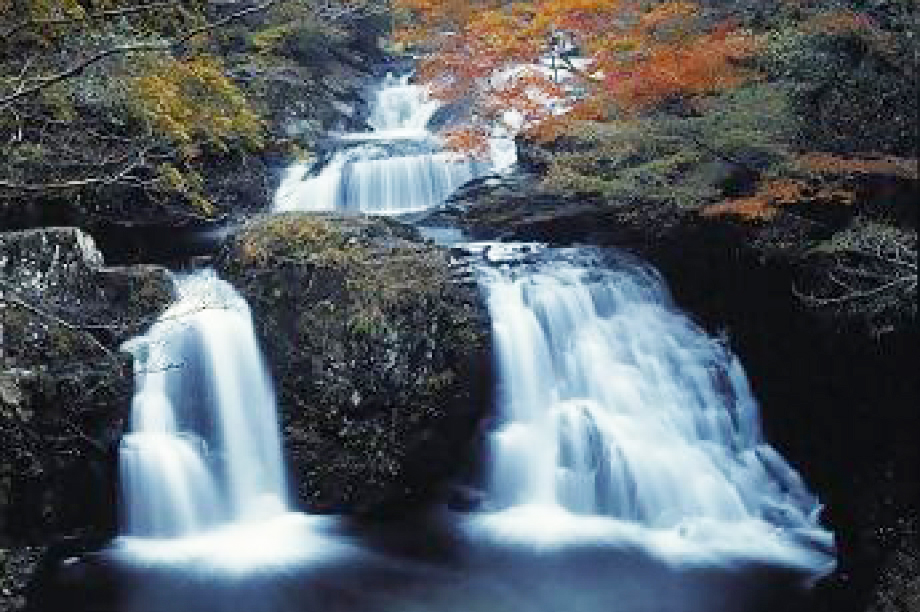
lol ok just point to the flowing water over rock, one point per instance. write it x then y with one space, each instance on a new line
397 168
204 447
627 470
613 403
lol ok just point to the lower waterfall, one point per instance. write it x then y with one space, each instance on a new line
203 447
627 471
614 403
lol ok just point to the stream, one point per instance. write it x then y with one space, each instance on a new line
627 468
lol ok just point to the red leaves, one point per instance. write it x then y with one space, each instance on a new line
472 140
640 54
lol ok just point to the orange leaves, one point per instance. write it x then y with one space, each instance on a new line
840 22
827 163
706 64
468 139
669 12
859 25
635 54
772 194
827 180
764 204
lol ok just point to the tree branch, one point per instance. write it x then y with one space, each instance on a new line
121 177
82 65
98 15
12 296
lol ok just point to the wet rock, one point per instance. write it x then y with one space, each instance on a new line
17 565
380 350
65 389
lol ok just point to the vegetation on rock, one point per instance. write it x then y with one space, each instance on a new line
380 349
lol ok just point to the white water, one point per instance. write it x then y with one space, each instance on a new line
204 447
366 177
613 403
628 469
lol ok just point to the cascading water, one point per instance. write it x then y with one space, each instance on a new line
397 168
204 447
628 471
613 403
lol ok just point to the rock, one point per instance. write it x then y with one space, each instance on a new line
380 349
462 498
17 565
65 389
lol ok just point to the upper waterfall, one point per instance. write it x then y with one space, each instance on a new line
397 168
401 107
204 446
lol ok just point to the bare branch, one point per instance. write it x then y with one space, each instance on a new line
87 17
852 294
122 177
12 296
82 65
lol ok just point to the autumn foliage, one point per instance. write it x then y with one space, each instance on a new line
824 179
519 56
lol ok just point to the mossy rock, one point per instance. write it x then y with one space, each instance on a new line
381 354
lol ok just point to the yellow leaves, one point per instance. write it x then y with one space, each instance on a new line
58 100
55 9
193 99
268 41
188 184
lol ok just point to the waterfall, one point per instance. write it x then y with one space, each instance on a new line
203 447
627 469
614 403
397 168
401 107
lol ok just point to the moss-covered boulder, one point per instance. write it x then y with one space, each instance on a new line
65 389
380 349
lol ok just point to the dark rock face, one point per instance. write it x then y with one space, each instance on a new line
380 349
65 389
16 567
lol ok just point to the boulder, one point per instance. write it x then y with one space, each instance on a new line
379 345
65 389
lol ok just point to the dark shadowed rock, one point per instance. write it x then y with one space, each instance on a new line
65 389
380 348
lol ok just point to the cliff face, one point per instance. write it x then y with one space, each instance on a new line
184 137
